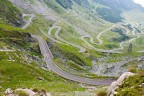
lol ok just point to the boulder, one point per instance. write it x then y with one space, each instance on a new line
40 78
142 85
123 77
28 91
111 90
8 91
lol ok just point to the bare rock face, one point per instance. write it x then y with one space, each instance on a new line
111 90
28 91
142 85
8 91
36 6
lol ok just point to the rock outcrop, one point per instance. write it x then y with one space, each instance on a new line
111 90
28 92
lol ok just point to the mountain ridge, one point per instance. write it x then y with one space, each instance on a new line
112 10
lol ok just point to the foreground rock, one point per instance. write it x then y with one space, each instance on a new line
27 92
116 84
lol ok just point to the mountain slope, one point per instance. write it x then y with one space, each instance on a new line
10 14
110 10
65 24
21 64
114 8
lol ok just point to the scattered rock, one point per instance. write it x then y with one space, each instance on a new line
27 91
48 94
132 87
111 90
8 91
142 85
40 78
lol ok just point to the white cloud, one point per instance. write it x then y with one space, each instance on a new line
141 2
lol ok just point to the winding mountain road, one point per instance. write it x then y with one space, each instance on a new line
82 49
99 35
125 42
82 38
100 50
113 50
66 42
100 42
32 16
45 51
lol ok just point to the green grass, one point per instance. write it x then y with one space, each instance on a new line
10 13
17 75
52 4
138 44
39 23
72 54
101 92
12 36
21 93
10 28
112 60
53 33
69 34
69 59
131 86
27 18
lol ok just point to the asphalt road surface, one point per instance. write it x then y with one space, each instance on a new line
45 51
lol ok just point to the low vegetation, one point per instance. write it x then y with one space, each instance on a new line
21 93
65 3
122 37
10 14
132 86
101 92
14 73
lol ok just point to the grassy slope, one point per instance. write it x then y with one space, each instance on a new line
52 83
18 74
131 86
81 65
39 23
81 61
9 13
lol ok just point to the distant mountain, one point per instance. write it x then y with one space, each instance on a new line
119 4
111 10
68 3
114 8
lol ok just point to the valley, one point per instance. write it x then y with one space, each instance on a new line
65 47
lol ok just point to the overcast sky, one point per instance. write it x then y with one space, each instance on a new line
140 2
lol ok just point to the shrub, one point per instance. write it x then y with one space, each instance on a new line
43 90
35 90
129 92
102 92
132 69
21 93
